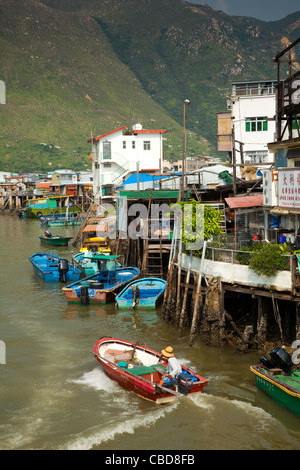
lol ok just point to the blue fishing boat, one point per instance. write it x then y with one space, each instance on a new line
51 268
90 262
101 288
144 293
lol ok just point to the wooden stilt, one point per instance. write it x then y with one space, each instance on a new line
182 315
297 335
221 312
198 294
169 280
178 301
261 322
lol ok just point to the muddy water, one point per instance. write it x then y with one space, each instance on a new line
55 396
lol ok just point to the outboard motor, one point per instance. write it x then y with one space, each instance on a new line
135 295
282 359
84 295
63 268
184 383
48 234
268 363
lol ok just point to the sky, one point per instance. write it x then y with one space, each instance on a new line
265 10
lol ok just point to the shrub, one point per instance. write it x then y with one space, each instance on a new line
268 260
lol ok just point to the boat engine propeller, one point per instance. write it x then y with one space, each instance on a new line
135 295
84 295
63 268
184 383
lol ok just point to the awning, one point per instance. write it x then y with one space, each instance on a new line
155 194
95 228
244 201
44 185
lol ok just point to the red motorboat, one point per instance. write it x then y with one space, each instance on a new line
139 369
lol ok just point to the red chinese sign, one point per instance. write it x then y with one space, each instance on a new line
289 188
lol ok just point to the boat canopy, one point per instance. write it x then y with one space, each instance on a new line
105 257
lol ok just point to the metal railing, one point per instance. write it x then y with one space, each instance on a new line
227 255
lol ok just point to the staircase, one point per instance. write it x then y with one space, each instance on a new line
83 224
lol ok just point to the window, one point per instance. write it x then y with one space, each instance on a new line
133 144
107 165
256 124
256 156
124 144
146 144
106 150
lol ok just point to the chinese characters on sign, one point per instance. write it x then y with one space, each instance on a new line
289 188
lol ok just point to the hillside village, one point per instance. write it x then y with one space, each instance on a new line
256 192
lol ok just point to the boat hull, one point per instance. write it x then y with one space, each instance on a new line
100 297
74 293
280 391
46 267
150 294
62 223
55 241
145 385
36 213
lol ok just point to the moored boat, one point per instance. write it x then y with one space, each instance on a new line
90 262
54 240
138 368
52 268
63 223
144 293
279 379
102 287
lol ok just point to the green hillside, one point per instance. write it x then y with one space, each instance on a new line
63 83
76 68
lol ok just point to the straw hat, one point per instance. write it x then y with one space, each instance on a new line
168 352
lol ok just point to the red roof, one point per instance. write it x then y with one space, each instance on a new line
107 133
244 201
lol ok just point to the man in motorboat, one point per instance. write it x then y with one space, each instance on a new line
173 367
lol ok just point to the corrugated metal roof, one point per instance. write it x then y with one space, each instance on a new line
244 201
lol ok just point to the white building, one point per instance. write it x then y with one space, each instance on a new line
118 153
250 122
3 175
252 105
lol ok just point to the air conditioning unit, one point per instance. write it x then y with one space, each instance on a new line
270 187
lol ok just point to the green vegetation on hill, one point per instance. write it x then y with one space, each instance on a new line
79 68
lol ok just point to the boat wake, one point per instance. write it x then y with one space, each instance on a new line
127 419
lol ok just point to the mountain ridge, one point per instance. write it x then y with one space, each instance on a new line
76 68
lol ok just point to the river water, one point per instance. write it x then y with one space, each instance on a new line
55 396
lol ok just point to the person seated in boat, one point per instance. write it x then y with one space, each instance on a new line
173 367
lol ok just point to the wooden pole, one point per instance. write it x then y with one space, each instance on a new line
222 312
198 293
187 281
261 322
178 302
170 270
